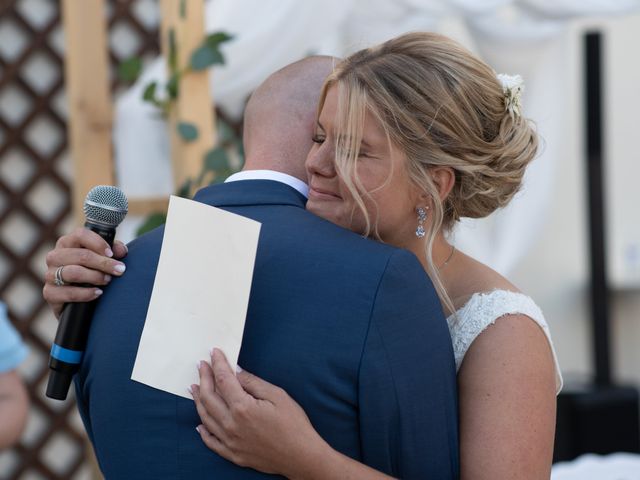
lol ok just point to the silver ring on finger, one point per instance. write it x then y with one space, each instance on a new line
58 281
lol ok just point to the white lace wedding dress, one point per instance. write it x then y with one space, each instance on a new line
482 310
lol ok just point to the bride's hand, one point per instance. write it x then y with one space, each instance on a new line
253 423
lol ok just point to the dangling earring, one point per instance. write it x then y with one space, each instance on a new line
422 217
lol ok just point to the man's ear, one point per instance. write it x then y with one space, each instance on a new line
444 178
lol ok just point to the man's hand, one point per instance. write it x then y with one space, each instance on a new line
85 258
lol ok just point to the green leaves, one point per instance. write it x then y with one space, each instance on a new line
216 162
215 39
129 70
230 139
216 159
185 190
226 134
216 165
204 57
173 86
208 53
149 94
153 221
172 55
187 131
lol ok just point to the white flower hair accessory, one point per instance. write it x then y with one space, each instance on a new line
512 87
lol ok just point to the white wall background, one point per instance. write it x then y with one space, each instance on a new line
555 271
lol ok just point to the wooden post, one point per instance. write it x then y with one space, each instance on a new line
145 206
87 88
184 20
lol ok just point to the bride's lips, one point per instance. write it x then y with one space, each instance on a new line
322 194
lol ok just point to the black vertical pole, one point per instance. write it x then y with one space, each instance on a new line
595 190
601 418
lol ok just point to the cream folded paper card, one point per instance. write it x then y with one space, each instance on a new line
200 294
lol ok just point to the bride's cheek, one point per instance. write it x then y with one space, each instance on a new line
341 217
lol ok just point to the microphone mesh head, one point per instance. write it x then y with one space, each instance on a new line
106 205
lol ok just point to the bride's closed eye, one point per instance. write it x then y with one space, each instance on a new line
318 139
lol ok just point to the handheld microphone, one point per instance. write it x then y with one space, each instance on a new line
104 208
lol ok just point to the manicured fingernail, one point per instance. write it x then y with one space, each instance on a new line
238 369
107 278
126 249
108 252
211 351
97 292
190 390
198 429
199 365
119 268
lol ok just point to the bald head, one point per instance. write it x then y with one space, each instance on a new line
280 116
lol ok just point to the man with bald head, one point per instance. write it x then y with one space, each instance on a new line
342 323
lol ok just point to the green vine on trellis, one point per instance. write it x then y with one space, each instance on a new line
216 161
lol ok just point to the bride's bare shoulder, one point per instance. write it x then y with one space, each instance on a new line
468 276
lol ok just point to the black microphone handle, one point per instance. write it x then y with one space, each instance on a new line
71 336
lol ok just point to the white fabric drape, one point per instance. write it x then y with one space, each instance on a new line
615 466
524 36
269 34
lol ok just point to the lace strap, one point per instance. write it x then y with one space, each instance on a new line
483 309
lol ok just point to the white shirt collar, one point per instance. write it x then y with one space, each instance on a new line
293 182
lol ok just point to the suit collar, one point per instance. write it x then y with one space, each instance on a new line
250 192
281 177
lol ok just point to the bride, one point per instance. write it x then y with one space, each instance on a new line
412 135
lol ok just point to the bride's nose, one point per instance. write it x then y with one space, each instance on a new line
320 161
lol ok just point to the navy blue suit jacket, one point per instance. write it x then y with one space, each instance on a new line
352 329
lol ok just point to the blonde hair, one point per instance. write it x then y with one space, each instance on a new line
441 106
